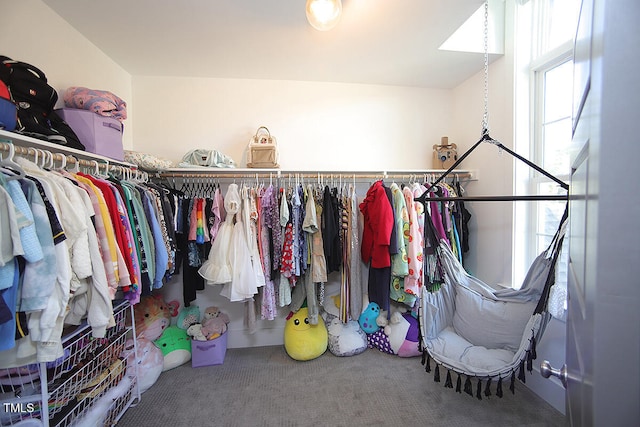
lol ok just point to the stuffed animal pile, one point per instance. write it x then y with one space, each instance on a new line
397 335
213 324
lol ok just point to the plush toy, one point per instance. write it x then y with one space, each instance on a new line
369 317
399 336
195 332
175 346
214 327
214 312
152 315
345 339
402 331
214 322
149 359
302 340
188 316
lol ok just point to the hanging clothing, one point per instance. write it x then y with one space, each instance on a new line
266 202
243 282
331 224
217 269
400 260
378 223
250 220
357 289
317 265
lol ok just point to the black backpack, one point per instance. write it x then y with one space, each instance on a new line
35 100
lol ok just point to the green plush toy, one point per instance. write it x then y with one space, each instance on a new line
302 340
175 346
188 316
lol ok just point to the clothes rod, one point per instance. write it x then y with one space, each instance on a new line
279 174
494 198
38 154
30 143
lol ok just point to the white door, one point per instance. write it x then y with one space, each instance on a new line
603 325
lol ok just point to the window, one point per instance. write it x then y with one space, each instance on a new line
543 127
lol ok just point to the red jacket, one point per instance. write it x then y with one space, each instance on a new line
378 223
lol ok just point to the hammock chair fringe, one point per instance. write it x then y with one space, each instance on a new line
467 386
521 374
529 361
479 389
487 389
448 383
534 354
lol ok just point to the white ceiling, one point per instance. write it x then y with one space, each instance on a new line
390 42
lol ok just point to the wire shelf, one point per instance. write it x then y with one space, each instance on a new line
91 379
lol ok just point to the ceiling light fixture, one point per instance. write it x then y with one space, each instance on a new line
323 15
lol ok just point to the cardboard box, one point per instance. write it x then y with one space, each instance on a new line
99 134
207 353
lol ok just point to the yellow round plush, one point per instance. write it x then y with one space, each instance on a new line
302 340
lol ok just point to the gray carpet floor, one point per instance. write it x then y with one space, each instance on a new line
263 386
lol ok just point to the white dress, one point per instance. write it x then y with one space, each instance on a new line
243 283
218 269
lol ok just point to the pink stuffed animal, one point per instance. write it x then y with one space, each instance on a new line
214 323
212 312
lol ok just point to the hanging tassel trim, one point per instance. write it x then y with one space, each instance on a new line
529 362
459 384
479 389
499 388
467 387
487 389
424 358
534 355
512 386
427 367
521 374
436 374
448 383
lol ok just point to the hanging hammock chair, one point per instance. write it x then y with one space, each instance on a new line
482 332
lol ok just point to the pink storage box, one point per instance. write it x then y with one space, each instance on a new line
207 353
99 134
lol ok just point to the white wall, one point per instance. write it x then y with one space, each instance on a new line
31 32
491 223
318 126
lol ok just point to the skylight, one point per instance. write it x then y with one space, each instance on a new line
470 36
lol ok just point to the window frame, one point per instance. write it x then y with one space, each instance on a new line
530 68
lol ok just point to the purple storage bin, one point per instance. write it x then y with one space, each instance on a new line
207 353
99 134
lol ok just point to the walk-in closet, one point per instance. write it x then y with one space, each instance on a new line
319 212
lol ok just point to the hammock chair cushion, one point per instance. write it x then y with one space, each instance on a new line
488 322
455 352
